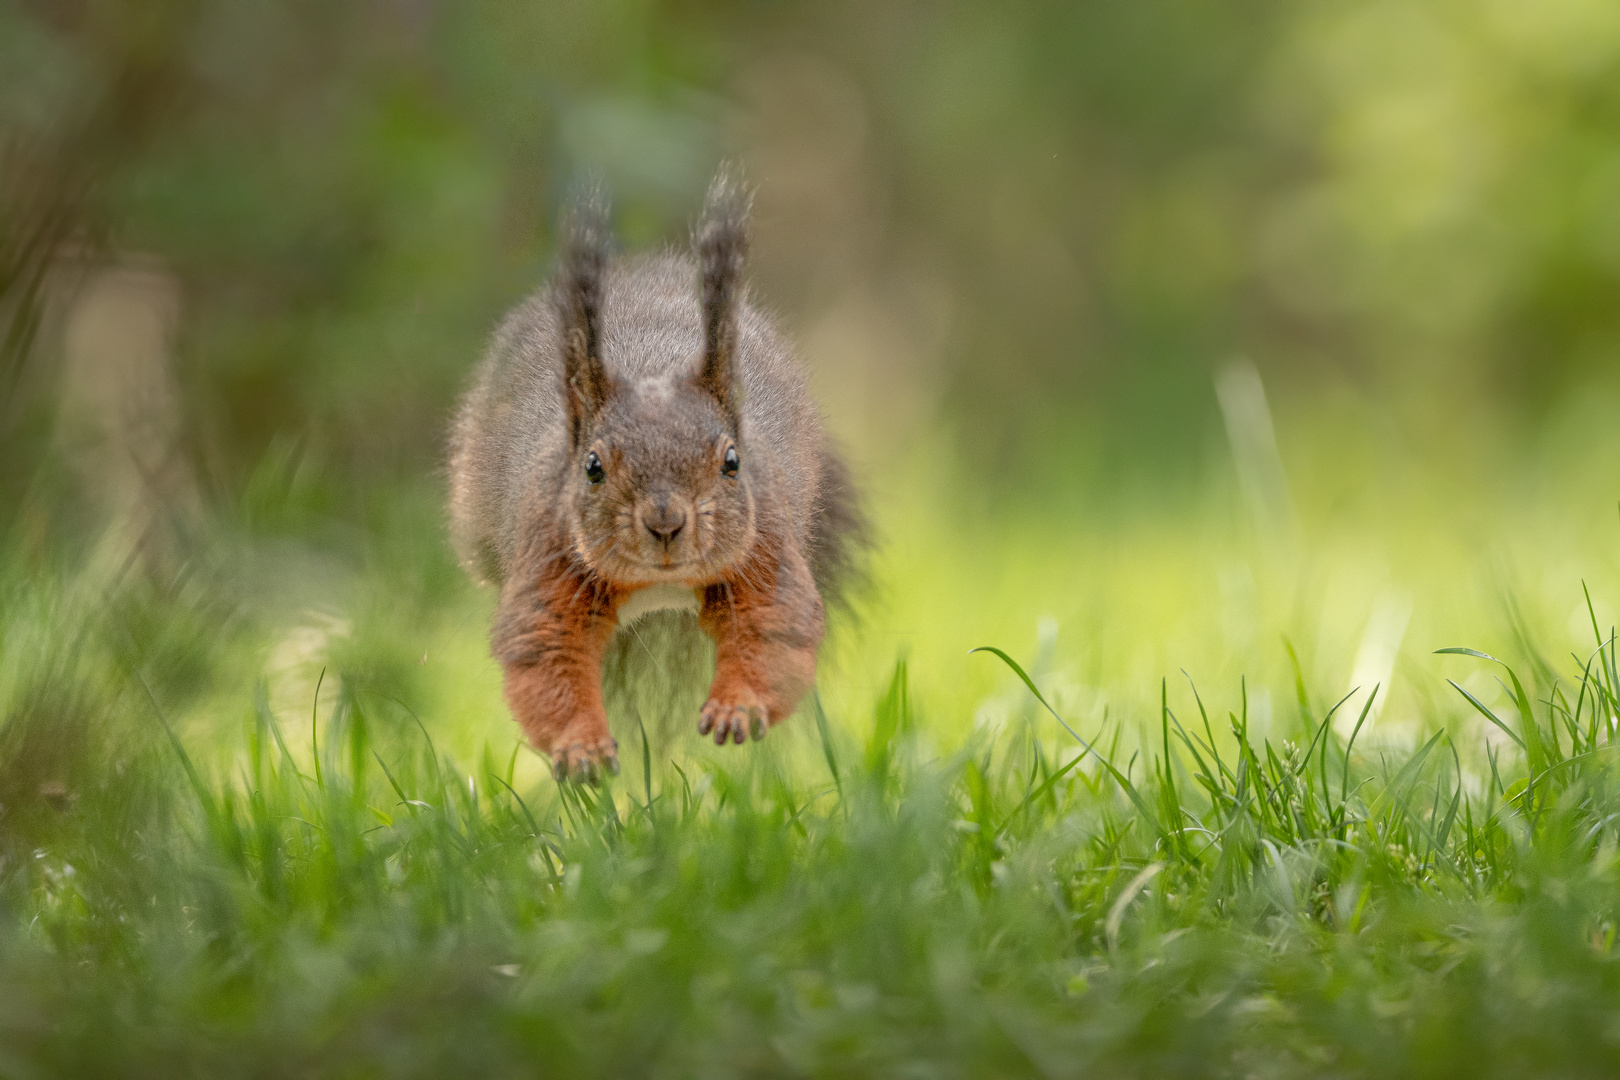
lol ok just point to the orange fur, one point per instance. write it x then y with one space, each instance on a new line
766 621
556 624
557 619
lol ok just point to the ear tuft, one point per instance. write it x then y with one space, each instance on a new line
586 236
721 240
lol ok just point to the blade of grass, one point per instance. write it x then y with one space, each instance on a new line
1487 714
314 733
1119 777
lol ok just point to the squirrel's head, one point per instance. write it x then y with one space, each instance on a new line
659 483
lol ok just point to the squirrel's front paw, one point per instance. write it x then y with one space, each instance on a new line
588 759
735 716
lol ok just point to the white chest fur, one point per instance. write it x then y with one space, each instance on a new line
657 598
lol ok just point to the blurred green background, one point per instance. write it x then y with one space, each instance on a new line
1181 327
1273 344
1044 222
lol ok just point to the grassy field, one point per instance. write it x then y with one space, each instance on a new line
1216 372
263 813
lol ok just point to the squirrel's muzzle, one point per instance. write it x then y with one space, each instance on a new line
664 521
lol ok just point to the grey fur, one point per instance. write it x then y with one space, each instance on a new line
579 302
721 241
662 324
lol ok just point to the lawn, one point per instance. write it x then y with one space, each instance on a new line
265 815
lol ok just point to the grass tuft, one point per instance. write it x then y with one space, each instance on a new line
1189 891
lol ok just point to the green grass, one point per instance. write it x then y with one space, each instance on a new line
240 839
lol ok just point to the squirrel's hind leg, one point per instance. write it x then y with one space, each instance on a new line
766 622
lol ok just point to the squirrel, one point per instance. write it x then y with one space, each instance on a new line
639 436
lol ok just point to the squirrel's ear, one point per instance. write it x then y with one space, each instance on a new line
584 261
721 240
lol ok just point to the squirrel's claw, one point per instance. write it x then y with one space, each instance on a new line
579 762
734 722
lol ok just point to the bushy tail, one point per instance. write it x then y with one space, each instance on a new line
841 536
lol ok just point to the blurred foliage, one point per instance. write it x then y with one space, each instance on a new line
1057 218
1016 242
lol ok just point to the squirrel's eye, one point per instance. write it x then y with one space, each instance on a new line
593 468
732 462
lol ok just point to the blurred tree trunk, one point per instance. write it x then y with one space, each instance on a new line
40 209
55 156
118 420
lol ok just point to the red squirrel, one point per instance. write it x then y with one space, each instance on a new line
639 436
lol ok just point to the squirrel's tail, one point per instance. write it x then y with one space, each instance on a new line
842 534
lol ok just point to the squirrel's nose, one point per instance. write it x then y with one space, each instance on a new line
664 522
